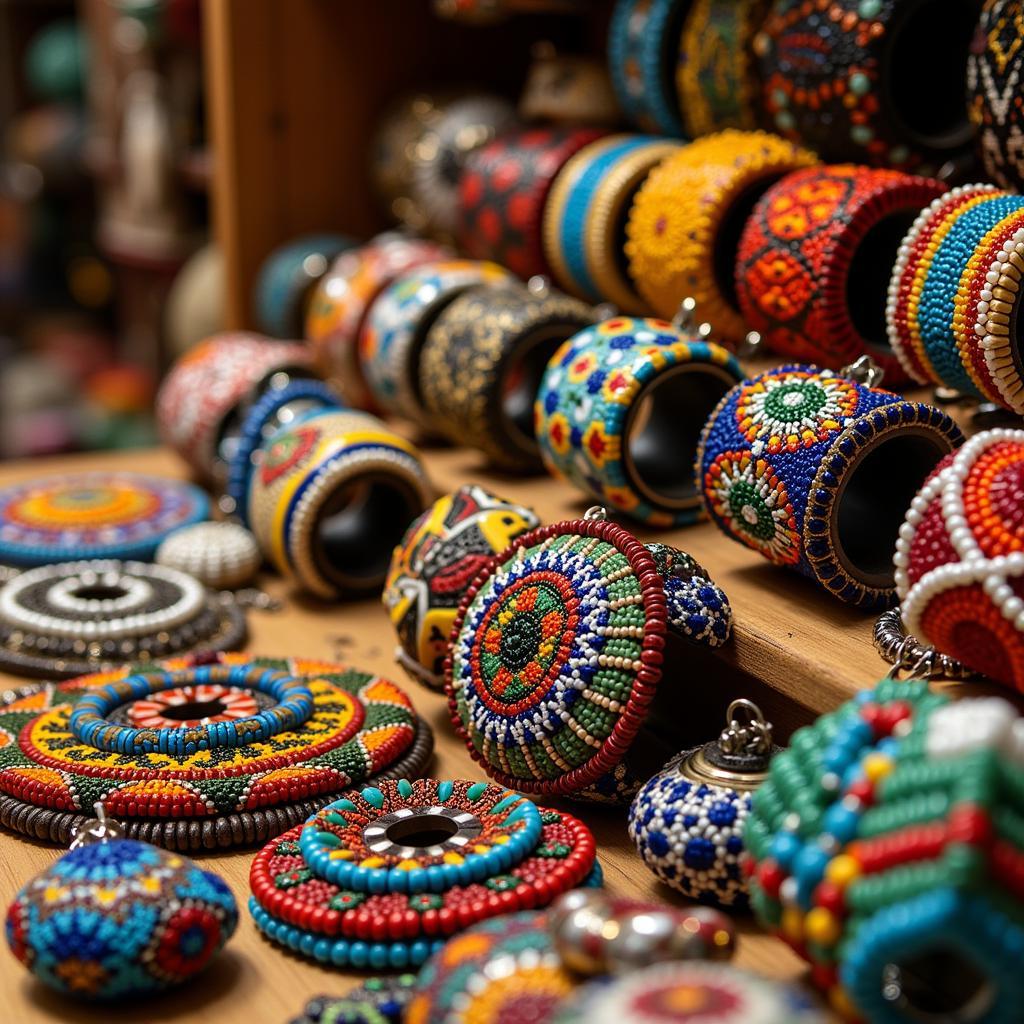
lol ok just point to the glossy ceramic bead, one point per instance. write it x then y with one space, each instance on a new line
438 558
223 556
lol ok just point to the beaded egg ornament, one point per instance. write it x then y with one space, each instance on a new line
228 752
114 917
557 652
380 877
960 557
222 556
885 849
440 554
688 821
377 1001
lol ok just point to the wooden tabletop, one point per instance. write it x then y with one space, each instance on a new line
796 650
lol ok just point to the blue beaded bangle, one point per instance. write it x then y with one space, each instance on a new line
790 465
308 396
89 724
643 47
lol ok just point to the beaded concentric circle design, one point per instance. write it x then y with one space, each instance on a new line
225 704
93 515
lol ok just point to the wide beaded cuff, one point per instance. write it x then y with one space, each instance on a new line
815 472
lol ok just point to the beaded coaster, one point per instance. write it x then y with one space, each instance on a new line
557 654
68 619
202 781
93 515
377 1001
380 876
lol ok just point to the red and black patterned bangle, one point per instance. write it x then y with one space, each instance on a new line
815 257
503 192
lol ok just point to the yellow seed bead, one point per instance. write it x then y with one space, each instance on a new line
877 766
793 924
822 927
842 870
842 1003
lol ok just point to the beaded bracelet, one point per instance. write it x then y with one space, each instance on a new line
686 220
584 219
503 191
392 151
619 413
483 360
811 255
845 79
643 40
391 342
815 471
330 498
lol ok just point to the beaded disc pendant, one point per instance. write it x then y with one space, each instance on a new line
93 515
380 877
200 756
557 655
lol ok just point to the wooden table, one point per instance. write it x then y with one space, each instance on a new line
796 651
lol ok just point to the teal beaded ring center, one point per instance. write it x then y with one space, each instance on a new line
90 725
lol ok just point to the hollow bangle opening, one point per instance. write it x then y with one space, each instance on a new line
938 985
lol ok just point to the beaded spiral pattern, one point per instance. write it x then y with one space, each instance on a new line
120 918
592 387
960 557
555 655
93 515
676 222
440 555
887 832
795 266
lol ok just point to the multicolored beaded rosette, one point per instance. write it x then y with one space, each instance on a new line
189 756
960 557
587 405
887 850
557 653
793 465
93 515
440 555
382 876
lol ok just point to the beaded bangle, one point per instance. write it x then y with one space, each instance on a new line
330 498
846 79
556 656
686 221
286 278
643 40
393 150
815 471
620 410
717 73
342 299
483 360
503 192
93 515
584 219
993 78
811 255
396 327
201 398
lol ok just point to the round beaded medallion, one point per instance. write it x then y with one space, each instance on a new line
215 777
63 620
93 515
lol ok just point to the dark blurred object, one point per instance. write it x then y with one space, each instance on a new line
55 63
568 88
195 303
486 12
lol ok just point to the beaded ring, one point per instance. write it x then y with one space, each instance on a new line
584 217
377 1001
331 496
93 515
814 471
685 223
811 255
208 787
200 400
619 413
391 342
643 40
842 78
63 620
483 360
503 191
286 278
222 556
556 656
960 557
439 556
884 851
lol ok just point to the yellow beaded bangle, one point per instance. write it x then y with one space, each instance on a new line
686 220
